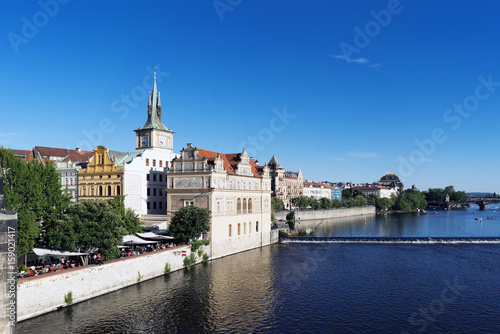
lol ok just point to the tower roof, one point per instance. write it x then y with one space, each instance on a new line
154 111
274 163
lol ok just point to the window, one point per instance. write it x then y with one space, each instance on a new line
154 162
154 177
161 163
244 205
244 228
118 190
218 206
229 206
100 190
256 226
249 205
161 205
238 206
148 205
109 190
239 228
148 192
160 177
188 203
147 177
154 205
92 190
147 162
84 191
166 163
154 191
230 229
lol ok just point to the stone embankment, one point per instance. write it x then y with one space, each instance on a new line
331 213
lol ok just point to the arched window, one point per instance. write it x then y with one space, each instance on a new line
256 226
118 190
229 229
239 228
109 190
238 206
100 190
244 205
249 205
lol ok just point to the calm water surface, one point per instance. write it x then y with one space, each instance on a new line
317 288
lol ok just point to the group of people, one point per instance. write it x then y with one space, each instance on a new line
136 250
49 267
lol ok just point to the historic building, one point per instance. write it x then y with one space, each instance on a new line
102 178
139 175
390 180
285 185
377 191
317 190
233 187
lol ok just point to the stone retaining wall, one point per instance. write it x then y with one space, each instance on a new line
332 213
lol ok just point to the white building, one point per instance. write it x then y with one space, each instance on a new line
233 187
377 191
317 190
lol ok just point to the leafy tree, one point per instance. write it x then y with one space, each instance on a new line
371 199
189 223
131 220
301 201
360 201
313 203
346 193
277 204
336 203
383 203
290 219
33 189
357 193
273 217
326 203
88 225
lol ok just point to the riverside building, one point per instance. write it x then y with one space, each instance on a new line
233 187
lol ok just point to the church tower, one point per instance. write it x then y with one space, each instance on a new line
153 134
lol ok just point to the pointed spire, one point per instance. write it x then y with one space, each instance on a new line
154 109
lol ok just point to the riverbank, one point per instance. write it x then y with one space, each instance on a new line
37 295
331 213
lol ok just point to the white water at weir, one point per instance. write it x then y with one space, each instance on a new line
389 240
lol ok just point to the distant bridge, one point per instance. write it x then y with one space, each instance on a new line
481 202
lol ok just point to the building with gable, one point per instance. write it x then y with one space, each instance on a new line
233 187
285 185
317 190
140 175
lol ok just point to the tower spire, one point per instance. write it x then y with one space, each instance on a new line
154 109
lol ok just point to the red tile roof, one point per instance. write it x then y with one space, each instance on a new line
67 154
27 154
230 161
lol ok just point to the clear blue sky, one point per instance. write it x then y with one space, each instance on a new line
340 89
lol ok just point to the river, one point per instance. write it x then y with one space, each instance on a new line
318 287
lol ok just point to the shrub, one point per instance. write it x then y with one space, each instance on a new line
139 276
68 298
167 268
205 257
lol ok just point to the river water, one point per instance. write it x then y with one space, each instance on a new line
321 287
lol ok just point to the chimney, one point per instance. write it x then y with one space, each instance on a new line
78 149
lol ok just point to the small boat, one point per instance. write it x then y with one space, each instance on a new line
476 218
489 218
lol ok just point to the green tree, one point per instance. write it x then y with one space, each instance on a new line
33 189
131 220
336 203
189 223
360 201
301 201
86 226
313 203
371 199
346 193
383 203
326 203
290 219
277 204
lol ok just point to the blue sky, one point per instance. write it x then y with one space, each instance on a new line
345 91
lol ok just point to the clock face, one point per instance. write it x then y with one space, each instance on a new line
144 141
163 141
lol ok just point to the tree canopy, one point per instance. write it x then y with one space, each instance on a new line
88 225
33 189
189 223
277 204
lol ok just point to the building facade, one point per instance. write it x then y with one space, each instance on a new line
377 191
317 190
285 185
233 187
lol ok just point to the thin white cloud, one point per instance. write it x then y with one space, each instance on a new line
351 60
363 155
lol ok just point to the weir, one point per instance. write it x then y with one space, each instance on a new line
391 240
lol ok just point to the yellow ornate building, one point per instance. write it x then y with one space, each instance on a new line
103 177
